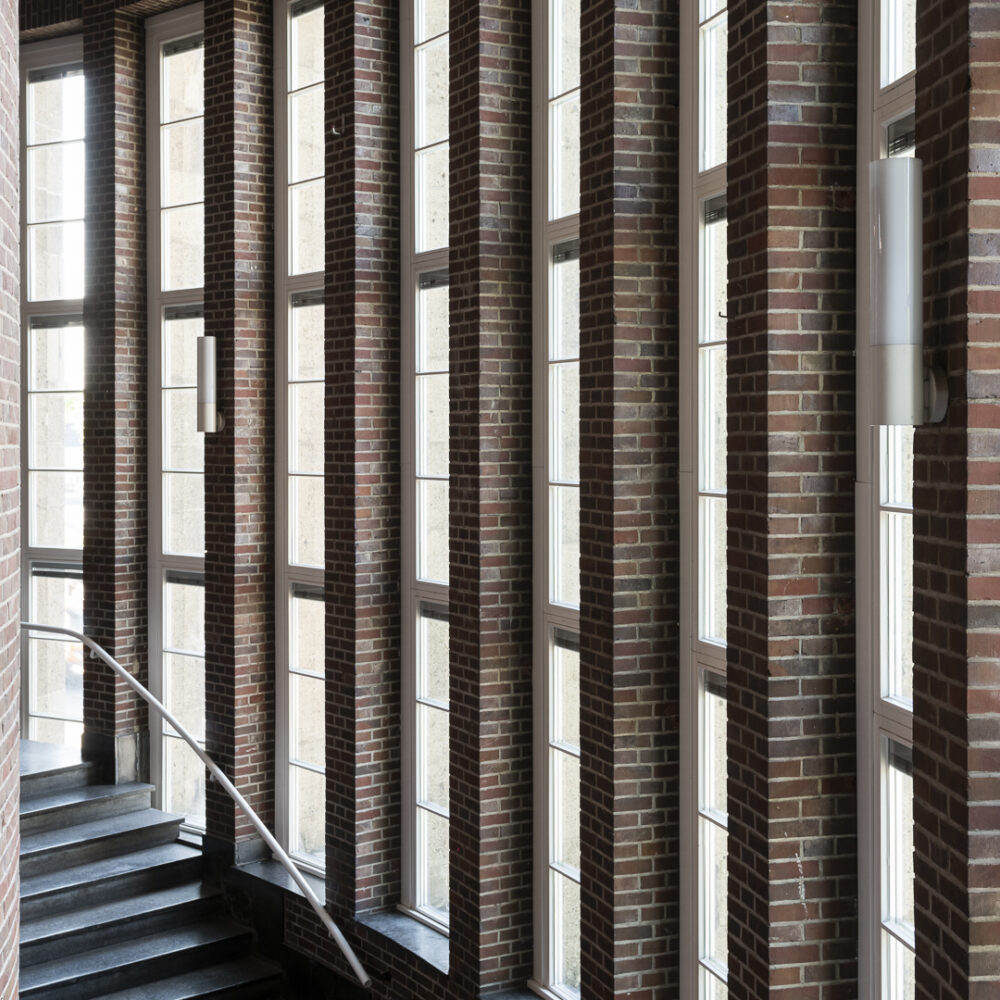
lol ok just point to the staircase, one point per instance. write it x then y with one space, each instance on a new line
112 905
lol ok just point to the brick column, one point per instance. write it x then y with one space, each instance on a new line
10 520
490 497
956 576
362 456
239 459
791 740
114 442
629 563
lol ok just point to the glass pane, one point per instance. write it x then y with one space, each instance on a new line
55 430
431 18
183 446
56 182
566 933
66 734
712 418
305 428
56 678
564 139
183 247
308 814
715 300
432 659
56 357
307 715
184 785
713 100
896 465
55 261
183 514
711 987
180 350
564 339
57 598
899 980
897 837
712 568
432 756
56 509
712 757
432 197
184 692
305 520
56 109
899 39
565 793
306 361
183 87
896 572
565 696
305 135
564 421
306 638
432 425
564 544
431 92
714 891
182 163
565 30
432 329
306 48
307 234
432 862
183 617
432 530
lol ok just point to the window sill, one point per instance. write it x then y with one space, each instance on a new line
412 935
273 872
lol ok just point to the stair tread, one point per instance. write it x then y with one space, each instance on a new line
105 868
116 911
94 830
109 958
50 801
202 982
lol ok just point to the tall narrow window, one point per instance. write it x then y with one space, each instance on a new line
299 324
53 234
175 85
425 461
704 888
885 552
557 497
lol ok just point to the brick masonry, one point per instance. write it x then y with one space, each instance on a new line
115 452
629 504
791 738
239 459
490 497
956 726
10 518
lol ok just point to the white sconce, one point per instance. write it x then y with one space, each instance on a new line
208 417
904 392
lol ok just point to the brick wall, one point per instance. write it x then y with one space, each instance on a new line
239 459
629 564
115 454
792 811
490 496
362 456
956 726
10 522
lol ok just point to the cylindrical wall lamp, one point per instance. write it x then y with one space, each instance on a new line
904 392
207 413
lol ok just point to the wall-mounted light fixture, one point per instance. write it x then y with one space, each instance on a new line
208 416
905 393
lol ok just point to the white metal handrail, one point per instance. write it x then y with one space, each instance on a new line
279 852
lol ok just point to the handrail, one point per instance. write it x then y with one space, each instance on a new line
266 835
